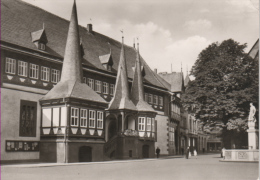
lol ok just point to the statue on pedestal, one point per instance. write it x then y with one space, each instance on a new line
251 117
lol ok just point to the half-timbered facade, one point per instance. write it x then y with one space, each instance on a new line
59 110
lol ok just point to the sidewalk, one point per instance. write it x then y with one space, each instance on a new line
33 165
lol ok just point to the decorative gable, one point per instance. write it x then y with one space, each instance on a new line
39 38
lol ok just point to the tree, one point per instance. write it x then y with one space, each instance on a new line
226 81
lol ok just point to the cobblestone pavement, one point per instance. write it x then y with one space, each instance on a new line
205 167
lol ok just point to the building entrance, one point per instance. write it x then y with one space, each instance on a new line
145 151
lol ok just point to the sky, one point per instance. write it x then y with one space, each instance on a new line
171 33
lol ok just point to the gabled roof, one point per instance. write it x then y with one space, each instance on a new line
71 83
19 19
73 89
254 52
137 91
121 99
175 79
39 35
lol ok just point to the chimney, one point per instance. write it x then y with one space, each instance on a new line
89 28
155 70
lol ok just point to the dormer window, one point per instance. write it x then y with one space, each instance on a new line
41 46
107 61
39 38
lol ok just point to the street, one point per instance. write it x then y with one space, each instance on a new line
205 167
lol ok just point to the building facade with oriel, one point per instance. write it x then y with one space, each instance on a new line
70 94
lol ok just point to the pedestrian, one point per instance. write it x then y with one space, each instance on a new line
158 152
223 153
182 151
187 152
203 150
195 153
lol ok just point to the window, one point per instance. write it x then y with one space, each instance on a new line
22 68
141 123
146 97
160 100
74 116
83 117
91 83
149 124
105 88
41 46
34 71
45 73
85 80
55 75
92 118
112 89
100 120
150 98
28 115
98 86
155 99
171 135
153 125
10 65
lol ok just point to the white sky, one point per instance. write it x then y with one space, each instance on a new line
169 31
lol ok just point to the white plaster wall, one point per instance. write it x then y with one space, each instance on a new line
162 138
10 122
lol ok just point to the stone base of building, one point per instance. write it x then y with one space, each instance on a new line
241 155
71 151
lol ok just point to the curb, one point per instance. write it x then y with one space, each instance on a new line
83 163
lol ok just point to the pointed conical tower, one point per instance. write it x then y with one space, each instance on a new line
137 91
145 111
71 110
121 100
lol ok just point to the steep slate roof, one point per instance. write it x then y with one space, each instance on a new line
71 83
254 52
121 99
175 79
137 91
19 19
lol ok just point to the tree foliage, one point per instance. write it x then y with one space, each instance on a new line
226 81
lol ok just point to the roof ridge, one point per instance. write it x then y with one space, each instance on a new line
152 72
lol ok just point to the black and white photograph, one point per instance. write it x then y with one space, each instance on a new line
129 89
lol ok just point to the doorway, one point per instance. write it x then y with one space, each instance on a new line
145 151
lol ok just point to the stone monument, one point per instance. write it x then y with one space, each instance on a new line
252 132
244 155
